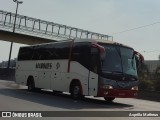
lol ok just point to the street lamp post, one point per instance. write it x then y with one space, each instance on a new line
18 2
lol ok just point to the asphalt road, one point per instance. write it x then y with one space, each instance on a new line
14 97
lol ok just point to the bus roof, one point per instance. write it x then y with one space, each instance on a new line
101 41
87 40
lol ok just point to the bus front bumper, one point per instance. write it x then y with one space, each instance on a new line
118 93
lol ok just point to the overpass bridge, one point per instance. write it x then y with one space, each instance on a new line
30 30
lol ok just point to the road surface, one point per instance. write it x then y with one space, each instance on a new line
14 97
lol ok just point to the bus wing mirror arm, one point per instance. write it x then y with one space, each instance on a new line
139 58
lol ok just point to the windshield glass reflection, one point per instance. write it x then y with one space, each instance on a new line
119 60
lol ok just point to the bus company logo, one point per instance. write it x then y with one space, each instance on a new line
123 84
6 114
57 65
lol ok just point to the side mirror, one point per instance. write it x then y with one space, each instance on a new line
139 58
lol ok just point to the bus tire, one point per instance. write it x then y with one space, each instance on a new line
31 84
76 91
109 99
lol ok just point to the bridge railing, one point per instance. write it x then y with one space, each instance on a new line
41 28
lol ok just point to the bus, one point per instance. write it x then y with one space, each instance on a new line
81 67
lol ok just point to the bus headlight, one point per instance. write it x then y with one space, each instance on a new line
107 86
134 88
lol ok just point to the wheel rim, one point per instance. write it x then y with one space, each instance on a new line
76 91
29 86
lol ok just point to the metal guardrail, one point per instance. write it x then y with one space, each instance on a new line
36 27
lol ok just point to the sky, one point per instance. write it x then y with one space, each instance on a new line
123 19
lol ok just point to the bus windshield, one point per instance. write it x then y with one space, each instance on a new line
119 60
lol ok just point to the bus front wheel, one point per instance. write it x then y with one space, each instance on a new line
109 99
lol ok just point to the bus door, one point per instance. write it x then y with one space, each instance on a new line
93 75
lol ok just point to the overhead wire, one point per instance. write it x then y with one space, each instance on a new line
135 28
150 51
151 24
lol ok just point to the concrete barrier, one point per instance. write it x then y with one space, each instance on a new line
7 74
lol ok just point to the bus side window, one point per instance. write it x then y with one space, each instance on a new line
80 53
25 53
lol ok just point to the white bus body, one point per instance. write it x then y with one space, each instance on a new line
67 74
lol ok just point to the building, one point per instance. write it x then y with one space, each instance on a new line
152 65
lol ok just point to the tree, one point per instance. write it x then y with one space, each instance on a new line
144 79
143 71
157 79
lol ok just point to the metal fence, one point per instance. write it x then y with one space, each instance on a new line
45 29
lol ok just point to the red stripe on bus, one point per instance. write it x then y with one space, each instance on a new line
118 93
70 53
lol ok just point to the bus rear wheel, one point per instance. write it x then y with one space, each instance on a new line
31 85
109 99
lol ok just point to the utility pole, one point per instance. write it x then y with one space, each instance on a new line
18 2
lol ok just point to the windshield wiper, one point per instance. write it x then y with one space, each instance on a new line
117 72
113 72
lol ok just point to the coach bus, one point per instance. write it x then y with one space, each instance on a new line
81 67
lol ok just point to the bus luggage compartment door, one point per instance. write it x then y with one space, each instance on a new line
44 79
56 81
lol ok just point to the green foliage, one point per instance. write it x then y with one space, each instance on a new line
157 79
146 85
142 71
144 79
